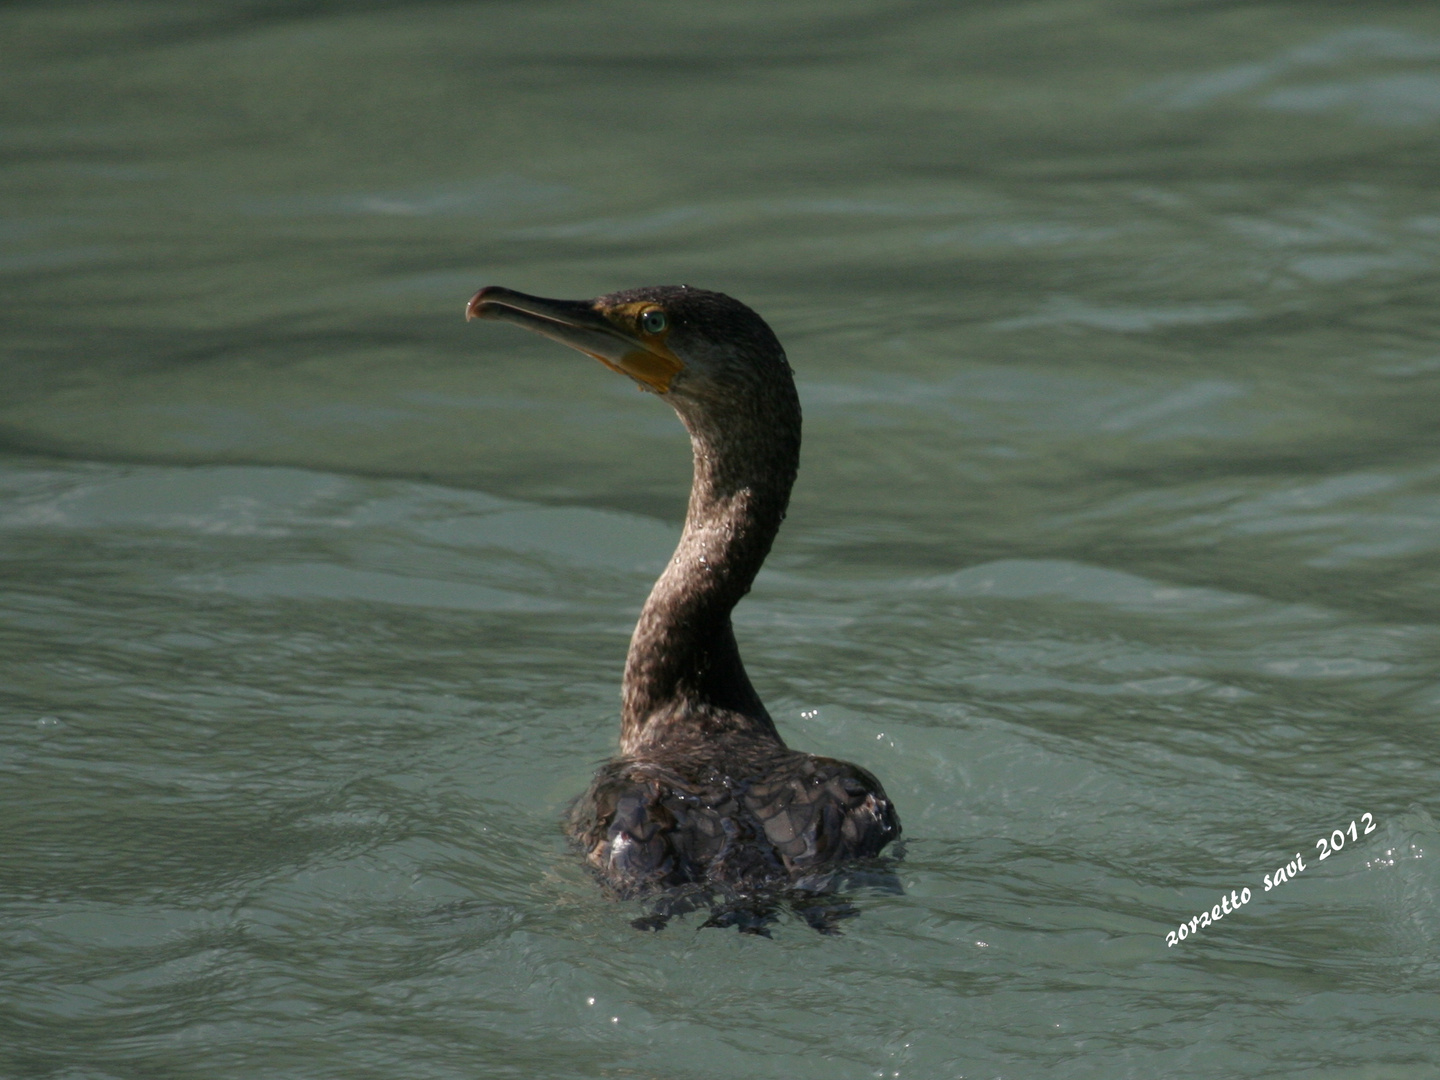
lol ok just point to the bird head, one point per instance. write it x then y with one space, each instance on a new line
673 340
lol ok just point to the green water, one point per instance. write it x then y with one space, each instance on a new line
1114 550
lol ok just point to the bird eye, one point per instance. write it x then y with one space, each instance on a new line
653 321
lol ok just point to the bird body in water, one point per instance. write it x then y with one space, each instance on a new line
705 795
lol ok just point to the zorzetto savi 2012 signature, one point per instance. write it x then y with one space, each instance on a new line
1233 901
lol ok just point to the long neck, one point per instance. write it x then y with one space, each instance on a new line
684 682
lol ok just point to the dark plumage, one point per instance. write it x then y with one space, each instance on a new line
706 800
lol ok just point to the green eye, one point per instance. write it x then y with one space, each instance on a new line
654 321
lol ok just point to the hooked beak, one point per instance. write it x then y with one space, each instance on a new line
587 327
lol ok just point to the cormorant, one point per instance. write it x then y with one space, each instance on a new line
705 797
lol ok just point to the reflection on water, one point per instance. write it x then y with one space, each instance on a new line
1114 549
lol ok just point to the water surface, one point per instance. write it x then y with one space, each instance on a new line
1114 550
